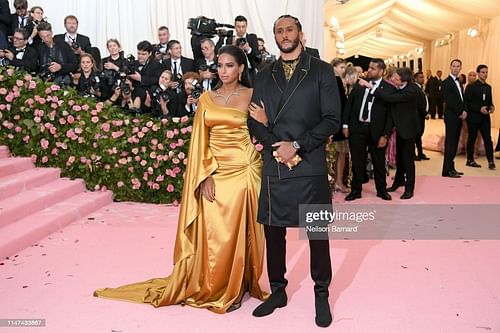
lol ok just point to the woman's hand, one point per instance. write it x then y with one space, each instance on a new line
208 189
258 113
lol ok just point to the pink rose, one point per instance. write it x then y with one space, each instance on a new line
32 85
76 108
44 143
54 151
70 161
170 134
170 188
26 139
95 120
45 159
3 91
120 184
34 158
105 127
85 107
19 83
18 129
71 119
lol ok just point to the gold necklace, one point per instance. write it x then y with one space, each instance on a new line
226 98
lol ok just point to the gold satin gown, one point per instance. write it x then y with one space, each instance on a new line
219 246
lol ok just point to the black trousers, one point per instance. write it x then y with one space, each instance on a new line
358 142
320 263
418 139
436 104
405 163
453 126
484 126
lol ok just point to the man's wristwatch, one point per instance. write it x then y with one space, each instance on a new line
296 145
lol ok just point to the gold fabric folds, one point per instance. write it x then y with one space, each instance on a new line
219 246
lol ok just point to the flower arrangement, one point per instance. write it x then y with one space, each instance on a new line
137 157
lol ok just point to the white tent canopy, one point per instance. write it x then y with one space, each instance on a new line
395 29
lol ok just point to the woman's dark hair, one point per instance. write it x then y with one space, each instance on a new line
241 59
405 73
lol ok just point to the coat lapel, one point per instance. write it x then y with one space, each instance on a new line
287 89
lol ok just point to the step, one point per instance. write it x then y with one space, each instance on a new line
4 152
11 165
31 229
38 198
26 180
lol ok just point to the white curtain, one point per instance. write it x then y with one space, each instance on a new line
131 21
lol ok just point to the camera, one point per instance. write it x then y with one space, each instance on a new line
160 93
241 41
109 77
203 26
198 89
176 77
211 68
93 84
75 45
122 84
130 65
45 73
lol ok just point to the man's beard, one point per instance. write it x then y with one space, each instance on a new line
293 47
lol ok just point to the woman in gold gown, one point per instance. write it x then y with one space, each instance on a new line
219 246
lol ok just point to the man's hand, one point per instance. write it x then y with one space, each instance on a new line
136 76
463 115
484 110
173 84
345 131
54 67
208 189
9 55
111 66
285 150
382 142
365 83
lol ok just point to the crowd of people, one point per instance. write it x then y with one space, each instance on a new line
159 80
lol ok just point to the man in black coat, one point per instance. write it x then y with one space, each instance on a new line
20 55
177 63
479 103
302 105
55 58
367 123
423 109
20 18
454 114
245 41
5 18
404 104
433 88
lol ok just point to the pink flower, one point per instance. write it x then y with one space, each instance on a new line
44 143
2 107
122 161
34 158
154 142
118 134
173 145
76 108
181 155
95 120
55 151
160 178
152 155
70 161
18 129
184 119
55 87
160 146
105 127
78 130
26 139
145 130
143 163
85 107
45 159
41 100
140 135
170 188
9 98
32 85
170 134
156 186
180 143
259 147
10 72
120 184
3 91
137 158
62 121
149 124
71 119
19 83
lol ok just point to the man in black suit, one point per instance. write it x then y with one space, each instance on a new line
433 89
20 18
302 105
247 42
148 70
176 63
479 103
454 114
404 103
207 66
367 123
20 55
55 58
80 44
423 109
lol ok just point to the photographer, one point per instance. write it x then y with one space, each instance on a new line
86 80
266 58
35 18
125 97
207 67
177 64
113 65
161 49
20 18
246 42
55 58
145 71
188 97
20 55
163 100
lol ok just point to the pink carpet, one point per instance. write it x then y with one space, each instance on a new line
378 286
